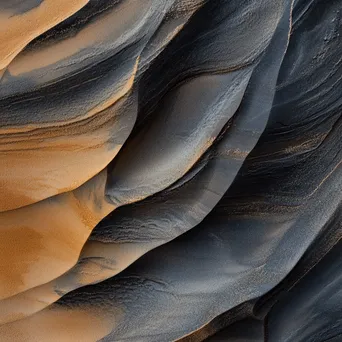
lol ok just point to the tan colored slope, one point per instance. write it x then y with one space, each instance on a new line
109 31
59 324
18 30
37 163
105 261
40 242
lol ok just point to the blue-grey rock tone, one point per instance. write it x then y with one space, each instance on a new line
170 170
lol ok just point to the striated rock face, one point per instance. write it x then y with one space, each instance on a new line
170 170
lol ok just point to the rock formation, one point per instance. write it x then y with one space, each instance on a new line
170 170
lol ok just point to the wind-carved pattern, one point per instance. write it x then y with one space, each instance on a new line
170 170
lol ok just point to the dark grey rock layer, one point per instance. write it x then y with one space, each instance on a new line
220 199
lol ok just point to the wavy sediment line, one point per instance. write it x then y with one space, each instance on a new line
160 222
173 294
122 89
95 34
182 134
38 237
171 171
55 161
100 260
63 325
19 29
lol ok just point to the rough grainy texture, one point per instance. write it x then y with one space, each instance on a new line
170 170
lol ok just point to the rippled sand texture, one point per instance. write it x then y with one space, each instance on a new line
170 170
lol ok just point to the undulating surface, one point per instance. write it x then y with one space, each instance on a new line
170 170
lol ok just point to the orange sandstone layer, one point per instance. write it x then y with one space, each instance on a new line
53 155
76 325
41 241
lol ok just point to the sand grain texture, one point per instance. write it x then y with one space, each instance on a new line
170 170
